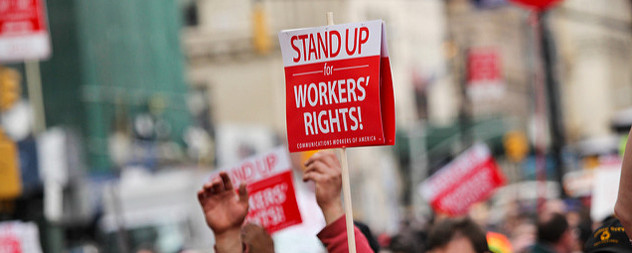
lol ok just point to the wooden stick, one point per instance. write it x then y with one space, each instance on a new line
346 195
330 18
346 183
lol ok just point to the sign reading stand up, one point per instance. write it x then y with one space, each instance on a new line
339 90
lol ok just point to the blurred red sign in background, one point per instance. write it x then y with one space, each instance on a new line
23 30
470 178
538 5
271 195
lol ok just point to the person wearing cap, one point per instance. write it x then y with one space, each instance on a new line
609 238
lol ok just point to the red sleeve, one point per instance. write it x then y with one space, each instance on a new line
334 237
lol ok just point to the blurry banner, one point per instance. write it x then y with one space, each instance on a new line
23 31
339 90
484 76
271 196
19 237
468 179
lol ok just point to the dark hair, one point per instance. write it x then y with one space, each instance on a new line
446 230
375 246
551 230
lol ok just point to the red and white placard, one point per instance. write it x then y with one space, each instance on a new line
339 90
271 196
23 31
468 179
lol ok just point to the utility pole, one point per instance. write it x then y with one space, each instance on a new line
555 117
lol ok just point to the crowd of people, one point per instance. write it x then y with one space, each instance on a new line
555 228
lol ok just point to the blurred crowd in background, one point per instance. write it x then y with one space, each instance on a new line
104 143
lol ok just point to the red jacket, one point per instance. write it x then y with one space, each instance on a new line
334 237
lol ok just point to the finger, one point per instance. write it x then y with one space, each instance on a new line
313 176
228 185
243 193
208 189
200 195
315 157
327 157
218 185
317 166
331 160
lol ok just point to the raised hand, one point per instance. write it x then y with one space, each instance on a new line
323 168
224 210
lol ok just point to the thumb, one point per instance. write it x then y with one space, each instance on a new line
243 193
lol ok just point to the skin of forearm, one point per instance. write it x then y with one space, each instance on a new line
333 211
623 207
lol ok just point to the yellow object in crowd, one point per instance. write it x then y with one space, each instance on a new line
516 146
305 155
261 34
498 243
10 183
9 87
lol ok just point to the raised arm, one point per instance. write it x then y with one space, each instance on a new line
623 207
225 211
323 168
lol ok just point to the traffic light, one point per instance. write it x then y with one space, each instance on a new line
9 88
516 145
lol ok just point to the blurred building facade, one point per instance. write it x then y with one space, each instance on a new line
590 48
116 68
116 71
594 48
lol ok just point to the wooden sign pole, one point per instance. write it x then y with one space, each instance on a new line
346 195
346 185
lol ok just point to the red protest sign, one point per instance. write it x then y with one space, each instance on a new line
23 30
271 198
339 90
468 179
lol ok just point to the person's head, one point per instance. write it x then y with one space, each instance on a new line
256 238
458 235
366 231
554 230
